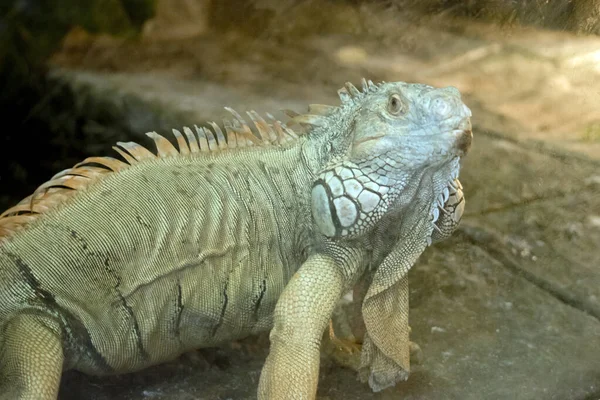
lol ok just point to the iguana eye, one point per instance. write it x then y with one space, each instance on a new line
396 106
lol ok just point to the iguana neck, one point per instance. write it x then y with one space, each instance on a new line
413 202
419 189
330 142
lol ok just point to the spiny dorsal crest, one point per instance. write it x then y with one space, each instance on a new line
349 93
238 134
65 184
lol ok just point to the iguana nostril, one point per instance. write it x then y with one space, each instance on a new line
465 125
465 136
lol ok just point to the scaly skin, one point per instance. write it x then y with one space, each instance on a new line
184 251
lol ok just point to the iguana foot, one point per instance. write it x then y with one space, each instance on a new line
343 351
347 345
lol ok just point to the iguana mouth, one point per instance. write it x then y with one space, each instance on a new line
464 137
368 138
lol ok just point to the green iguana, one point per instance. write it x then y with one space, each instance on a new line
113 266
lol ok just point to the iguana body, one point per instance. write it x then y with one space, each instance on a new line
112 266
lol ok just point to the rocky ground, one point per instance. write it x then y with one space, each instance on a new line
509 308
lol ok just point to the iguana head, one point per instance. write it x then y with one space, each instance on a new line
395 132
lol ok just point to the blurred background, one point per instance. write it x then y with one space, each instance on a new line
507 309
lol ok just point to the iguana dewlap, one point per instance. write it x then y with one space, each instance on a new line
113 266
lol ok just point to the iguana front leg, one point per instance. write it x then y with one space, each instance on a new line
301 316
31 358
